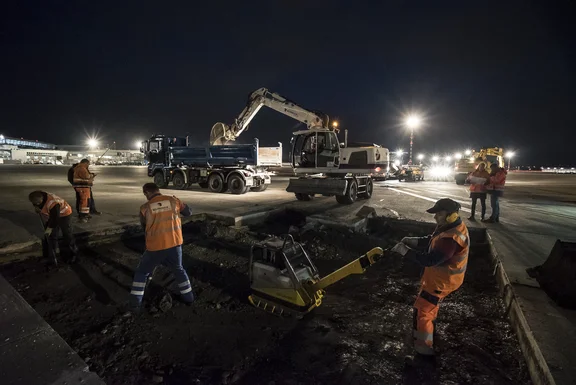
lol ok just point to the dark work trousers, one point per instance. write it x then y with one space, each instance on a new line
51 249
475 196
91 202
172 259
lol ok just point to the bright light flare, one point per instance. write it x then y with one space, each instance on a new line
468 152
458 156
138 144
421 156
439 172
448 158
397 162
413 121
92 143
399 152
435 158
335 124
510 155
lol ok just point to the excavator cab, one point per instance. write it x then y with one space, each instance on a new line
315 150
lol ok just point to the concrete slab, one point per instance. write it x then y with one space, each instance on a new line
31 352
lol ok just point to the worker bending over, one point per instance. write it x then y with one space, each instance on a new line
160 216
444 255
83 181
55 213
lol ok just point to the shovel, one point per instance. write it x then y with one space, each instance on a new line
47 240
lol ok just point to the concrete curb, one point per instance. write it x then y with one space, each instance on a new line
537 365
15 247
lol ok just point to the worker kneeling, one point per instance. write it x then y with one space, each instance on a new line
444 255
160 216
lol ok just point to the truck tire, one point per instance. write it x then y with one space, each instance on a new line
159 180
179 181
237 184
303 197
260 188
369 189
351 194
460 180
216 183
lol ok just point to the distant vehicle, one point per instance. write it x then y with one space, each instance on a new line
411 173
468 164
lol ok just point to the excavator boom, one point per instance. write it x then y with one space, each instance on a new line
222 133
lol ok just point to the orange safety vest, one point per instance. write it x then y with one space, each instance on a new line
51 201
498 180
479 188
82 177
449 275
163 224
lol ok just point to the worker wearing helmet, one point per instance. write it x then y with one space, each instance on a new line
444 256
479 178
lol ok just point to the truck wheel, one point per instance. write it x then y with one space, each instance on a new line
237 185
216 183
159 180
369 189
203 184
303 197
351 194
178 181
260 188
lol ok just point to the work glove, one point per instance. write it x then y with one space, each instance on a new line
410 241
48 231
400 248
37 209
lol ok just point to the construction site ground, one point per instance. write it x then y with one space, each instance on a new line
360 334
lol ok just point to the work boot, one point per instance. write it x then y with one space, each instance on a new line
489 220
471 218
420 361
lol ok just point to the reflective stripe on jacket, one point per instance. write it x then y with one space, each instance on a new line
448 275
498 180
51 201
82 176
163 224
479 187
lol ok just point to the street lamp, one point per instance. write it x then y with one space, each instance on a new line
509 155
420 157
458 155
468 152
448 158
435 158
335 124
412 122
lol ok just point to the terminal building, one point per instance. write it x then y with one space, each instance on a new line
22 151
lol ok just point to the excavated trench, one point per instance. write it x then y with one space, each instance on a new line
360 334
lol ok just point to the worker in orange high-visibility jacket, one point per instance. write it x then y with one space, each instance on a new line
495 188
55 213
444 256
160 216
83 181
478 179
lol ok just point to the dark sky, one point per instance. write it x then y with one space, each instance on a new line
490 74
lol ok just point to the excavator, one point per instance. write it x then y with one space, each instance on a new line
468 164
285 282
323 165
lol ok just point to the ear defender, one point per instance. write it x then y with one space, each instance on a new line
452 218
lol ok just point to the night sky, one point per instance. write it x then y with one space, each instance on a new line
491 74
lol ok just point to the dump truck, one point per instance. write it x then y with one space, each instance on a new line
237 168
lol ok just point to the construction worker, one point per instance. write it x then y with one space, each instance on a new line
91 202
495 188
444 256
160 216
479 178
83 181
55 213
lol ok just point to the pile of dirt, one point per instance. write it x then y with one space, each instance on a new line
359 335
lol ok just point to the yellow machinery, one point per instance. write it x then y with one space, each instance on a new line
285 281
411 173
468 164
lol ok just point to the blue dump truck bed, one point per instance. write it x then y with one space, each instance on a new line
227 155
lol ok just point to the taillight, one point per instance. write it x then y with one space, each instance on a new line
377 169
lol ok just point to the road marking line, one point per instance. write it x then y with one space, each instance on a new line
426 198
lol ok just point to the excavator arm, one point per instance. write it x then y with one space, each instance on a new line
357 266
222 133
